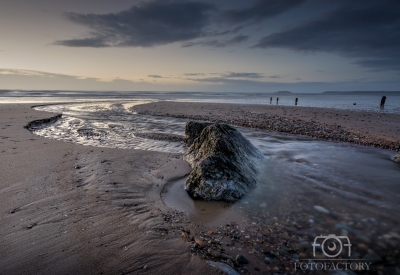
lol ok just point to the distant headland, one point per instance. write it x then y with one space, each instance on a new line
361 92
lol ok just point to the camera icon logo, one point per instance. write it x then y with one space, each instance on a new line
331 245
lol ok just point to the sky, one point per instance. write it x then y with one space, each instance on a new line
203 45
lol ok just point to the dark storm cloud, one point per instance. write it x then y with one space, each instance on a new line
147 24
260 10
217 43
367 31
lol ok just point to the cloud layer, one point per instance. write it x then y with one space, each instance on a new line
148 24
367 31
260 10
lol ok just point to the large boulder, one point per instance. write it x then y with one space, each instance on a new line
193 130
225 164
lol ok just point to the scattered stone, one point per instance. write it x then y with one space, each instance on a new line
145 267
396 158
185 234
321 209
241 259
228 270
30 226
227 257
268 260
214 252
200 242
15 210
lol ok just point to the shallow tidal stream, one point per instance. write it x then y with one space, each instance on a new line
309 186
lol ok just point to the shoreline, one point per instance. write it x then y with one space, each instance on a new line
381 130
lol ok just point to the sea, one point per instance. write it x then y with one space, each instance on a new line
369 101
317 187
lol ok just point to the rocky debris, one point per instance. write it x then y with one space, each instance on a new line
331 132
42 123
396 158
225 164
271 247
193 130
228 270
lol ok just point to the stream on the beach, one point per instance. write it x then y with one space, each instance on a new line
310 186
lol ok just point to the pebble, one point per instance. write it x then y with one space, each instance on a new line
214 252
199 242
223 267
268 260
241 259
30 226
321 209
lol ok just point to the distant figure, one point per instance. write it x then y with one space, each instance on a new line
277 99
270 101
295 102
383 102
354 103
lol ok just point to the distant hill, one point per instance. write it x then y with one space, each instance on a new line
361 92
283 92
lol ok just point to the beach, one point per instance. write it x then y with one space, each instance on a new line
377 129
73 209
68 208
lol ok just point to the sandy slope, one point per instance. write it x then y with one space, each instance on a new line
71 209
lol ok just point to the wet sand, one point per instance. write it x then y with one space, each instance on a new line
69 208
73 209
378 129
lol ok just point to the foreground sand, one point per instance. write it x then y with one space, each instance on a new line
378 129
72 209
